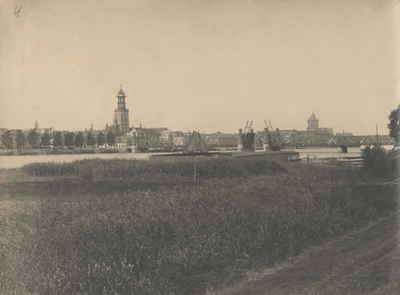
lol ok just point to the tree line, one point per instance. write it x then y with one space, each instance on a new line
57 139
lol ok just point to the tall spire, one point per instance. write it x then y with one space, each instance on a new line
36 124
121 118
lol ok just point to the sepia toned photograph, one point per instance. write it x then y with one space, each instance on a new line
199 147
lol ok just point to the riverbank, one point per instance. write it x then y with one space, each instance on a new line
137 227
32 152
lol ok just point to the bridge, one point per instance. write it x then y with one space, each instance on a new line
335 141
292 141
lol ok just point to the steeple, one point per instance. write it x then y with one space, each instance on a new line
313 123
36 125
121 115
121 99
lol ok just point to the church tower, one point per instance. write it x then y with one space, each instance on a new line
313 123
121 114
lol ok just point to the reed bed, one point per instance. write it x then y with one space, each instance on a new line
120 169
180 239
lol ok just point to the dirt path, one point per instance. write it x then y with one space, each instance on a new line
363 262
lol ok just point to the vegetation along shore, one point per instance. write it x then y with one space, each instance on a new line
141 227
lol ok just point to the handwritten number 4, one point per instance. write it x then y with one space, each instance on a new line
15 10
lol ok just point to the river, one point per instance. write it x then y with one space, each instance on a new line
19 161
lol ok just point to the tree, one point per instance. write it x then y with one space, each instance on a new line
394 128
110 138
6 138
79 139
45 140
20 139
33 137
57 141
69 139
101 140
90 139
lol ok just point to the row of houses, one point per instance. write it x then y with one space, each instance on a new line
165 138
14 135
156 136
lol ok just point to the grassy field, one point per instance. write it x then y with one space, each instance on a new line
140 227
364 261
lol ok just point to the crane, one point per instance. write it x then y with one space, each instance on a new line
248 127
269 127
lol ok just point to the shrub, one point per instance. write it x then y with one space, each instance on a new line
376 161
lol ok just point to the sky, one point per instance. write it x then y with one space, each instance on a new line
199 64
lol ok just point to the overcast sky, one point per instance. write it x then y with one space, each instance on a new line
199 65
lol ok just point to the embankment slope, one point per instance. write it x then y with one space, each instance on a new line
365 261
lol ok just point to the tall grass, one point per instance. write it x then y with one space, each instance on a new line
181 239
120 169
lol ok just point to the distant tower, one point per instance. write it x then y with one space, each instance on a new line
122 113
313 123
36 125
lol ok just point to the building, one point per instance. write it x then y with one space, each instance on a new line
40 131
95 133
346 134
313 123
120 124
165 134
150 134
313 126
220 139
2 131
180 138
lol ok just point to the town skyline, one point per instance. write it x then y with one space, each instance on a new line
110 126
183 130
200 65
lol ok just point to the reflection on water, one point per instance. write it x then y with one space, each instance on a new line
18 161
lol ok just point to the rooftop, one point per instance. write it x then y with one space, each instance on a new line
313 117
